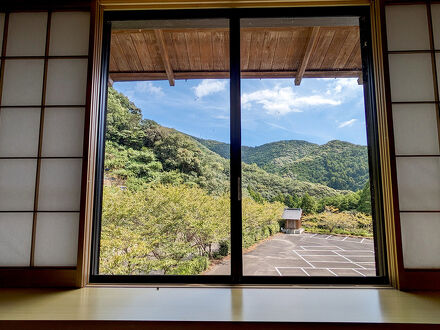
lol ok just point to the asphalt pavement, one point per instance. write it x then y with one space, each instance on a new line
306 255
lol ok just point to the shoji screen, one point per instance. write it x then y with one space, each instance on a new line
413 34
44 62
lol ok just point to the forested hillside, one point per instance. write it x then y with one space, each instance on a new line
140 151
336 164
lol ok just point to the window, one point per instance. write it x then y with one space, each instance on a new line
178 191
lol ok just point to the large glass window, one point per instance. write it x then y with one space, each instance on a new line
165 204
305 154
238 150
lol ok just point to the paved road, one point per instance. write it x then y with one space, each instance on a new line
307 255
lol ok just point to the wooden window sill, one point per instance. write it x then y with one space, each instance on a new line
305 306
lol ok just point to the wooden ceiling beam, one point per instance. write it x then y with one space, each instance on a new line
178 75
164 55
223 24
305 60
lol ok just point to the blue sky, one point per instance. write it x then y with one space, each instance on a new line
319 110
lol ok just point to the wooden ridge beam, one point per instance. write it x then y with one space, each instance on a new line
305 60
164 55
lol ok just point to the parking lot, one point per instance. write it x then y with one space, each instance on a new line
307 255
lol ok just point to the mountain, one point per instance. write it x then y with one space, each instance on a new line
220 148
336 164
140 151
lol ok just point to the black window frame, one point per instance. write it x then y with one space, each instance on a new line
236 276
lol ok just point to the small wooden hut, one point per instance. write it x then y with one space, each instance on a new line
292 218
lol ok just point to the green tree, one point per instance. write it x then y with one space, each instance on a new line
255 195
174 229
178 152
292 201
308 204
364 205
123 121
332 221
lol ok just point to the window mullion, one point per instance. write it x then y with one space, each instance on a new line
235 108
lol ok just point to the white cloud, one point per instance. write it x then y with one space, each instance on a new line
344 88
282 100
148 87
221 117
347 123
209 86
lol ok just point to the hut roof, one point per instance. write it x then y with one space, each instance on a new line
292 214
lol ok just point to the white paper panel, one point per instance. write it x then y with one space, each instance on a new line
66 82
437 60
407 27
420 240
19 132
415 129
56 239
15 239
63 132
411 77
2 27
60 185
435 12
69 34
418 181
26 34
23 82
17 184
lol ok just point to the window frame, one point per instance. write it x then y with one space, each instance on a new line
234 16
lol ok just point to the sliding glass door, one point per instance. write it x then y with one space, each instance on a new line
237 150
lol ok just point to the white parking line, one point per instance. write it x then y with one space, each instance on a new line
303 259
319 255
342 256
305 271
324 251
325 268
337 262
349 260
320 246
363 240
333 255
358 272
370 251
276 268
332 272
316 250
